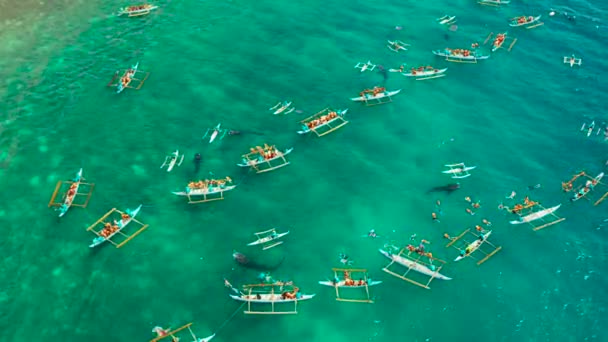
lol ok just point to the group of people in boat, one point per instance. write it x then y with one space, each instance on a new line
375 91
584 190
266 153
109 229
127 78
421 69
524 19
500 38
473 246
322 120
209 183
519 207
420 249
290 294
138 8
160 332
71 192
348 281
459 52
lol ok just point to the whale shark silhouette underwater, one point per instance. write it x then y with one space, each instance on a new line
247 262
445 188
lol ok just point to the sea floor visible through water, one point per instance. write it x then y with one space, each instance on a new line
515 116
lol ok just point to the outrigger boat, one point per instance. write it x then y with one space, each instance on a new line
70 195
446 20
397 45
172 160
106 231
281 107
264 159
208 189
495 3
268 238
459 170
365 66
324 122
590 128
375 96
584 189
461 55
499 40
273 294
123 79
176 335
474 245
215 132
572 60
529 22
347 281
528 214
136 11
404 258
425 73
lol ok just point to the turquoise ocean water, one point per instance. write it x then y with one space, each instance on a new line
515 116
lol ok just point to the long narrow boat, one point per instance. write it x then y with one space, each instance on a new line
268 238
340 116
204 191
71 194
137 10
460 170
500 39
424 73
523 21
280 107
413 265
129 73
342 283
494 2
473 246
368 97
536 215
449 54
270 298
121 225
254 162
589 185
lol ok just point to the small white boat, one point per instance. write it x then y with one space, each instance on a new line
135 11
494 2
281 107
413 265
397 45
589 185
449 54
456 171
172 160
270 298
446 20
71 194
267 238
121 225
536 215
215 132
204 191
523 21
368 97
365 66
342 283
473 246
459 170
572 60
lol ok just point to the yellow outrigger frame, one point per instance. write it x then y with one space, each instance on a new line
127 237
488 255
339 118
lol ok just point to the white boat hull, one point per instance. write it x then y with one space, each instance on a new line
282 109
425 73
534 20
67 203
537 215
267 239
341 113
342 283
598 178
472 247
270 298
457 171
201 192
256 162
414 265
377 97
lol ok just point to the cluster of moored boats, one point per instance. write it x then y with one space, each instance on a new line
413 257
